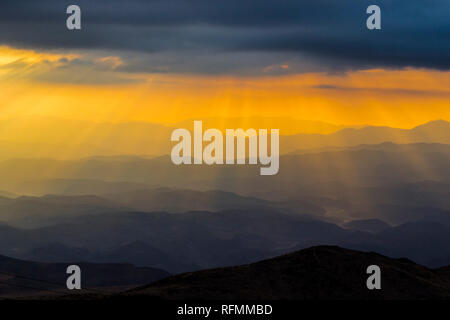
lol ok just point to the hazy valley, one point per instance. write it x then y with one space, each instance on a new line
368 193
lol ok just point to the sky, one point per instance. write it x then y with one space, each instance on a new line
167 61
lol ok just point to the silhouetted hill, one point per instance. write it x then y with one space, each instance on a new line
26 277
315 273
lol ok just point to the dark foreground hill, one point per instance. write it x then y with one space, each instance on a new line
26 278
323 272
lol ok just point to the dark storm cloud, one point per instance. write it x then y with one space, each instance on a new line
329 34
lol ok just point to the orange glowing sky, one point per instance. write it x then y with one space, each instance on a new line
38 83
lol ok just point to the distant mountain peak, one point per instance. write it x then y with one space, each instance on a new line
434 123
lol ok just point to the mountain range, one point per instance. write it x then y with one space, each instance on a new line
62 139
354 188
432 132
317 273
199 239
323 173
